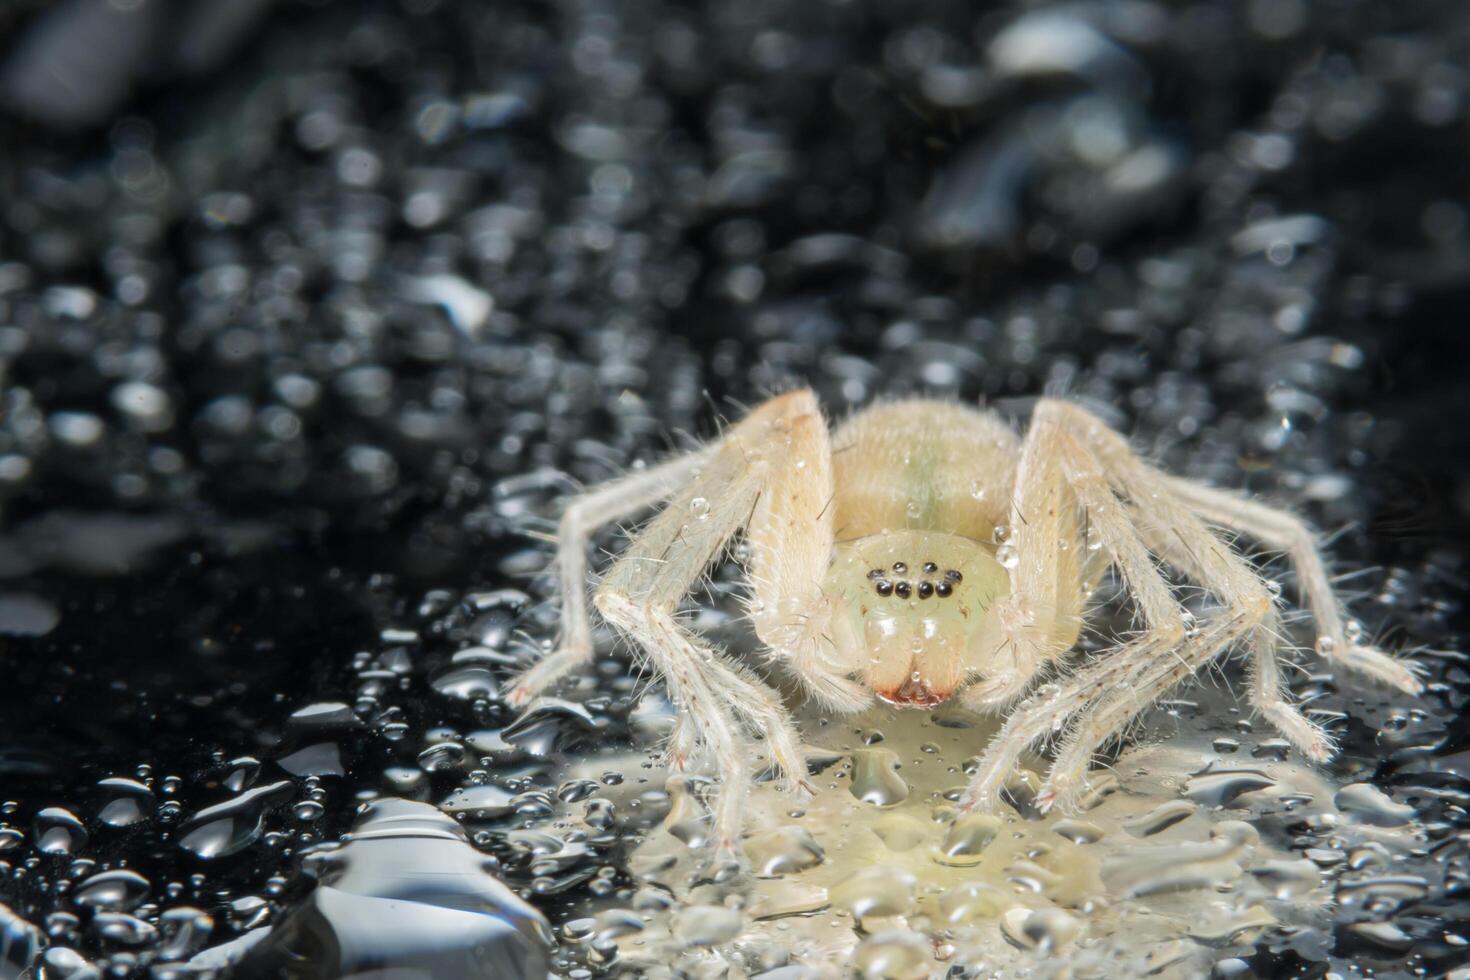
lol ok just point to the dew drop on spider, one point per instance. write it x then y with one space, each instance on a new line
1352 631
699 507
1326 645
1001 534
1006 555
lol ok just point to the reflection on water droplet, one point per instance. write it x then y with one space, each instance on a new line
699 508
972 902
123 929
1043 930
118 890
875 777
893 954
128 802
782 851
877 892
1220 787
1078 831
58 831
232 826
967 839
687 819
1159 819
405 895
486 801
1368 804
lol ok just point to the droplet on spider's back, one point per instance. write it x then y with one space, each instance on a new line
699 508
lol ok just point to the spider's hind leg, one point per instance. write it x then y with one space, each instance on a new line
1336 642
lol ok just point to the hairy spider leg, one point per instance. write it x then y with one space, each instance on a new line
583 516
1041 618
641 592
1279 529
1102 699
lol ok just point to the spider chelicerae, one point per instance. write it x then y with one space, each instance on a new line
923 551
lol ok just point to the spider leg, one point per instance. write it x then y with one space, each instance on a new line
1279 529
579 521
789 542
1040 618
724 702
1172 528
1142 675
1056 476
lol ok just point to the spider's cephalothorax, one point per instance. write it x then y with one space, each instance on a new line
914 628
923 550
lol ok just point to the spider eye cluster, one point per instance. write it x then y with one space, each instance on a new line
888 582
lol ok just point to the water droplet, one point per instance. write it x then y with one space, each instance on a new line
1043 930
1288 879
972 902
707 925
123 929
967 838
875 777
129 802
1220 787
1007 556
1078 831
877 892
1001 534
893 954
232 826
900 831
699 508
686 820
783 897
407 872
116 891
1159 819
58 831
1368 804
1326 646
782 851
484 802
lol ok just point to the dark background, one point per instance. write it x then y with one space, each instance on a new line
310 311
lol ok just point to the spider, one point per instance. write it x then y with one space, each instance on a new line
923 551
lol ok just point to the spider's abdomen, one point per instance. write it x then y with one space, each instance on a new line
922 465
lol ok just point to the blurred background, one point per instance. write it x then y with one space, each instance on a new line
311 311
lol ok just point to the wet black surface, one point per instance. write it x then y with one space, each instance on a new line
305 326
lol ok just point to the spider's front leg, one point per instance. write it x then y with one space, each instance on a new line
582 517
771 472
1042 616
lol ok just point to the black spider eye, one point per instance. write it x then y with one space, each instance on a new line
926 589
899 567
884 587
930 568
943 590
952 576
876 573
902 590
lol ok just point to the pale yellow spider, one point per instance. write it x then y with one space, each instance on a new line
921 551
